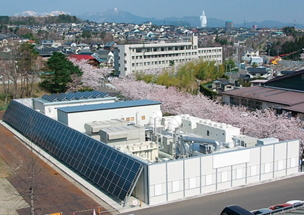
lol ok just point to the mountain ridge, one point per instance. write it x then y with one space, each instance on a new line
120 16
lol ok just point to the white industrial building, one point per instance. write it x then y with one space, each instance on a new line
140 57
155 159
138 112
48 104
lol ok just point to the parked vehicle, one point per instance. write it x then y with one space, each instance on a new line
261 211
279 206
235 210
295 202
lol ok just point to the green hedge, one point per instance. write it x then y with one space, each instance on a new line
207 92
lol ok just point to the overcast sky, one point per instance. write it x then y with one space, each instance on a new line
237 11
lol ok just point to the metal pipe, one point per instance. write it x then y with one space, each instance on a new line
216 144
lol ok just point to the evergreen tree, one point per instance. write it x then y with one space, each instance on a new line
60 72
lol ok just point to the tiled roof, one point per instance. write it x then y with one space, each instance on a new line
81 57
267 94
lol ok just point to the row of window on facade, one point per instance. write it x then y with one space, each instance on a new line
250 103
177 48
171 56
158 62
162 49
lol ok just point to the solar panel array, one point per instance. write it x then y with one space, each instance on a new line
74 96
101 165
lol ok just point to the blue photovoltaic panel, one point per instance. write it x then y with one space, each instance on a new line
74 96
103 166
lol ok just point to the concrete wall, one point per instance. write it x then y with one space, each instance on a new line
190 177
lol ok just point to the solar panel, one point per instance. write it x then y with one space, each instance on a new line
103 166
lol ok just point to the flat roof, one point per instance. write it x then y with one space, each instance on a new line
106 106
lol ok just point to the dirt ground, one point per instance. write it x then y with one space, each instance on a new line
20 170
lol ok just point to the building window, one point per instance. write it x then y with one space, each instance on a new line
132 118
128 119
207 132
143 117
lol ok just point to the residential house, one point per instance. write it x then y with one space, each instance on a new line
221 85
109 46
259 72
47 42
106 57
89 58
249 54
283 94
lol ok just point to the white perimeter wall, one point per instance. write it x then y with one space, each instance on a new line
78 119
195 176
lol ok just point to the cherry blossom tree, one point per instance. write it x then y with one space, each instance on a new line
260 124
92 77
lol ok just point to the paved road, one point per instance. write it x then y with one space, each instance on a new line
252 197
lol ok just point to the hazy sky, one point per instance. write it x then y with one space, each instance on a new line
234 10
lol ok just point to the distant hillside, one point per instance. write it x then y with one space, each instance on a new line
115 15
26 19
120 16
36 14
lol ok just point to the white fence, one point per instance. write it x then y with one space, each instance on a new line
179 179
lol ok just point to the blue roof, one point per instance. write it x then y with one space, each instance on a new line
106 106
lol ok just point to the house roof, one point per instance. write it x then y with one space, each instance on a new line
257 70
81 56
267 94
109 44
301 72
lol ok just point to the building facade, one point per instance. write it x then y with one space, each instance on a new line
140 57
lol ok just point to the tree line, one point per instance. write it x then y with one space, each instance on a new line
296 45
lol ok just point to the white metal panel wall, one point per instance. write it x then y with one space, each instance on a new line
231 158
157 183
239 173
253 168
175 180
192 176
292 157
201 175
208 175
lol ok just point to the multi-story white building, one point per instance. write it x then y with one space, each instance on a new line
140 57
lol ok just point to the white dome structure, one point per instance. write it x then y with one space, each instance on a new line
174 123
156 118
